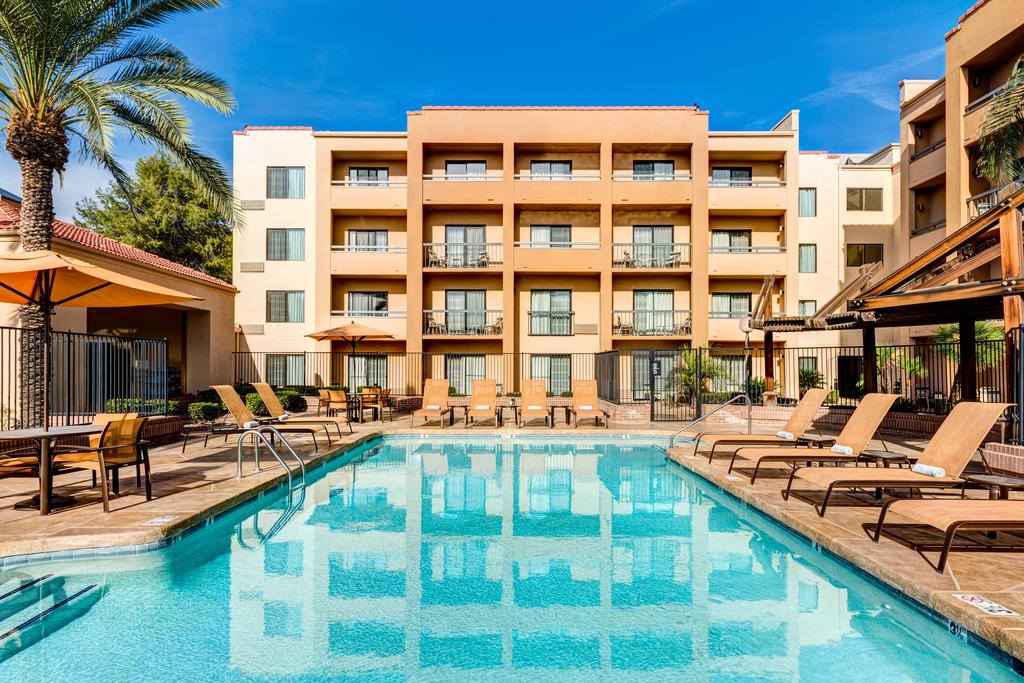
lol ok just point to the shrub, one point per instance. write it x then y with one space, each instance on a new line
756 386
566 394
208 396
149 406
810 379
513 394
904 405
255 405
204 411
292 400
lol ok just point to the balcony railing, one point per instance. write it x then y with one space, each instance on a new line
572 176
744 182
462 255
351 313
928 150
922 229
630 176
650 323
984 99
746 250
732 314
983 202
641 255
460 323
551 323
462 177
368 183
368 249
558 245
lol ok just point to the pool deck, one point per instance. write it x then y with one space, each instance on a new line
191 487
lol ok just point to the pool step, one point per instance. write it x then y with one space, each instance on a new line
38 607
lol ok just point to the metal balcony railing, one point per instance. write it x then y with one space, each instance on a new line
558 245
347 182
650 323
461 323
984 99
983 202
641 255
462 177
368 249
462 255
732 314
551 323
928 150
744 182
572 176
353 313
922 229
746 250
630 176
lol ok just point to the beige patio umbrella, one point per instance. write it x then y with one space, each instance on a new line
353 333
48 279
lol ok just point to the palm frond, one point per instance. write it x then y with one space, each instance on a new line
1002 131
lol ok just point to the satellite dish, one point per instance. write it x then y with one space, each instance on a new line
745 327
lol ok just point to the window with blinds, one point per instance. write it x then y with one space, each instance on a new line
286 369
286 182
808 258
554 369
864 199
551 312
464 170
461 369
363 176
808 202
652 311
284 306
367 370
732 176
286 244
550 170
730 304
726 241
368 240
863 254
368 303
546 236
655 169
807 307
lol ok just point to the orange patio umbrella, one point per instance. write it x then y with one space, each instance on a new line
48 280
353 333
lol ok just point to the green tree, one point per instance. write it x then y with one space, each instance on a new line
164 211
1002 131
987 355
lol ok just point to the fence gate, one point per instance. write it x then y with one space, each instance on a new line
668 376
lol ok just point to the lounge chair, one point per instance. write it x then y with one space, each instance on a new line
483 402
435 402
119 445
948 452
534 403
277 411
953 516
796 427
243 416
585 402
855 437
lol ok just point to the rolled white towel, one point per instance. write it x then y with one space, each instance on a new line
283 417
483 406
587 407
785 435
251 424
434 407
534 408
929 470
842 450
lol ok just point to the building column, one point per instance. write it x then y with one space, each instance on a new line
870 360
968 361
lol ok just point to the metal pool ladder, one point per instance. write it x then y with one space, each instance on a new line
258 435
739 398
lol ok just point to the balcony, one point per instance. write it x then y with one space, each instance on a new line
461 323
462 256
629 324
983 202
974 114
392 322
925 229
369 195
368 261
551 323
557 257
448 188
647 256
726 327
747 194
927 164
747 261
577 187
652 188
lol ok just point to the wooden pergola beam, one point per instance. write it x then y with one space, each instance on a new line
958 269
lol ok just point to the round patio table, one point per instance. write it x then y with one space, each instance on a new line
999 486
45 438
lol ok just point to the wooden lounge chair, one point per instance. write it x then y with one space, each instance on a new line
953 516
435 402
243 416
277 411
797 425
585 403
119 445
483 402
855 437
950 449
534 403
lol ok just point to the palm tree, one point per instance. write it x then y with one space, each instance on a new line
1002 131
77 74
988 354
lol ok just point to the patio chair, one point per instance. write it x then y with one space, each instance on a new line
324 402
277 411
94 439
435 326
534 403
855 437
946 455
483 402
379 400
795 430
21 461
435 402
338 400
433 260
120 445
495 327
954 516
585 402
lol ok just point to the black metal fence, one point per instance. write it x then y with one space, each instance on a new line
89 374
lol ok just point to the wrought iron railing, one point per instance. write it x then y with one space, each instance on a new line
462 255
651 323
462 323
641 255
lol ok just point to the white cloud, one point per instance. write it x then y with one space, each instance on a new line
877 85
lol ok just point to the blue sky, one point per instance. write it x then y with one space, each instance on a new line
359 65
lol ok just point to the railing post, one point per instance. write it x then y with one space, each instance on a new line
968 361
699 382
870 360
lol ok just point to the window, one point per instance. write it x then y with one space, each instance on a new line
362 176
465 311
461 369
662 169
464 246
730 240
652 311
808 202
732 176
807 307
464 170
652 245
368 303
559 236
733 374
807 363
864 199
286 306
286 244
667 368
863 254
367 370
368 240
808 258
282 558
286 369
730 305
286 182
550 170
551 312
554 370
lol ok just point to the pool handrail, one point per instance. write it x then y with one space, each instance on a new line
739 397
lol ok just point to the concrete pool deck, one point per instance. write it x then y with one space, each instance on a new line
195 486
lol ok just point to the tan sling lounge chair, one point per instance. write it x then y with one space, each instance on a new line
534 403
797 425
584 403
856 436
950 449
277 411
435 402
483 403
243 416
952 516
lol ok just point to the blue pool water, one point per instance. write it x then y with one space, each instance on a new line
527 558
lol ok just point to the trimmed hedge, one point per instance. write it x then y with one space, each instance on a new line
292 401
205 411
149 406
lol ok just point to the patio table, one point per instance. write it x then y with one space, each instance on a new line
45 438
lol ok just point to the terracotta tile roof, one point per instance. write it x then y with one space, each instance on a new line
10 216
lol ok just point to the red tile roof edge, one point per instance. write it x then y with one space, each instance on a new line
970 10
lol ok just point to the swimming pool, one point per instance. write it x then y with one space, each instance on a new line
471 558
